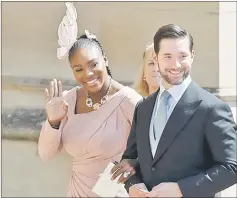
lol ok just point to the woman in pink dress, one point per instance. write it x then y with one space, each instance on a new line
91 123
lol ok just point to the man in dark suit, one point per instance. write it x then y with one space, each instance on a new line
183 137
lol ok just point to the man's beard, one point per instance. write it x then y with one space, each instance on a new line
173 81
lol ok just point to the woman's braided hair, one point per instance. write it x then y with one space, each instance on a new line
84 41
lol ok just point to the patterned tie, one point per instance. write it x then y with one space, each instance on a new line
161 116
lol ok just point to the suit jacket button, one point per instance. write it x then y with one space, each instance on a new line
153 169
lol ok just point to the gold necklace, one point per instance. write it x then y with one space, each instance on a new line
103 100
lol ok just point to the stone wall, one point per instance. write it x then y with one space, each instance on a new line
29 35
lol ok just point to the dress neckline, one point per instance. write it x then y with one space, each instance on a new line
102 106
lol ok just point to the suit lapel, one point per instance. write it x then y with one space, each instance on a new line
146 116
182 112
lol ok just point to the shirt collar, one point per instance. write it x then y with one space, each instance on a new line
177 91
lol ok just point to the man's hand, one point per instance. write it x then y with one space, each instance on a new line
138 190
125 166
168 189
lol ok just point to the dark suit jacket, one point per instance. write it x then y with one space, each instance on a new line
197 148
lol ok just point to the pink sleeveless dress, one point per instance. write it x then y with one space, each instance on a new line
93 139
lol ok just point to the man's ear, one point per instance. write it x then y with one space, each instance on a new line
192 55
154 57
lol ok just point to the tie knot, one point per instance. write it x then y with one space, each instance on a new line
165 95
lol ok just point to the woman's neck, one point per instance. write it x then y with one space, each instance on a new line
153 89
96 97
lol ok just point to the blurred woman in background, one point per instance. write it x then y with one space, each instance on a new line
149 77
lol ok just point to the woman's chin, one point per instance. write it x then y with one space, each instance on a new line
155 83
